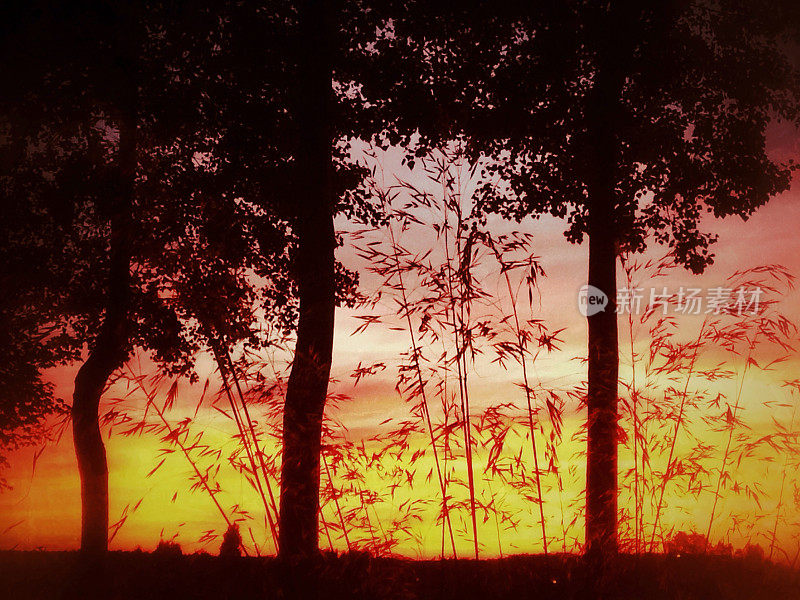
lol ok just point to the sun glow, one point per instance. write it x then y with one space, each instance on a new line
716 430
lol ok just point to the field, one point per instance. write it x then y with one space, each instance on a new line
45 575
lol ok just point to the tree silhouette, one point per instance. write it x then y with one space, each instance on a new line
630 121
282 121
60 149
306 391
100 189
666 121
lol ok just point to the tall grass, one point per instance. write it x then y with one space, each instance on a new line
454 311
486 466
674 399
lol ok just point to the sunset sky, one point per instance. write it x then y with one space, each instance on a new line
43 508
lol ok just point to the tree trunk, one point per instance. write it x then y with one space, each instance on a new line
109 350
308 382
89 448
603 348
603 367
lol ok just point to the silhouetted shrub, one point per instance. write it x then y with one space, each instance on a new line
168 548
686 543
231 542
751 553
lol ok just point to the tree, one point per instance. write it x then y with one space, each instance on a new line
282 126
631 121
668 116
35 180
94 142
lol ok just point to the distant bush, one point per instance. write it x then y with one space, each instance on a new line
168 548
231 542
721 549
693 543
751 553
686 543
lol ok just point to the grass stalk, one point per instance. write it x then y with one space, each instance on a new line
420 379
521 347
460 350
174 435
678 422
246 442
726 454
779 506
258 451
335 495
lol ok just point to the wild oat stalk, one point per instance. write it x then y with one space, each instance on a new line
789 433
174 437
458 316
522 353
248 438
774 330
669 470
335 495
405 310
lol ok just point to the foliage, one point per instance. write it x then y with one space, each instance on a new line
231 542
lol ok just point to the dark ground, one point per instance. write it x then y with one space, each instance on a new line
139 575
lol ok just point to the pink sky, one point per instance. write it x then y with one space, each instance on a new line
43 510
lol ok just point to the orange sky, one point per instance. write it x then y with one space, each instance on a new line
43 508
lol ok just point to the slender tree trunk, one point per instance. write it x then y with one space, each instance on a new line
603 347
109 350
91 456
613 32
308 382
603 367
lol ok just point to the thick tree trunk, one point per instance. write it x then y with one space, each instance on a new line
308 383
108 352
